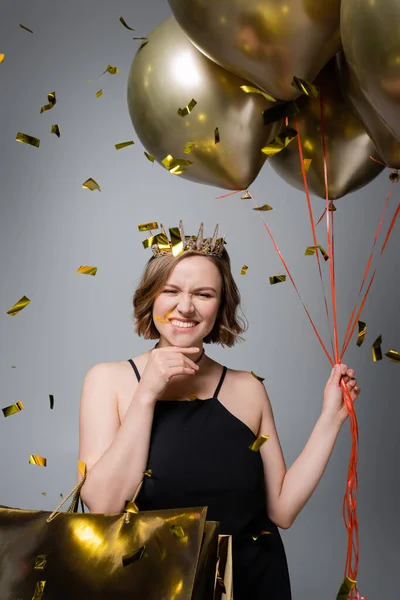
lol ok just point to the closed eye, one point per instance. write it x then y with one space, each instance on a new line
205 295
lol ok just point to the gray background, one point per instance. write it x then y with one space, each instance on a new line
50 226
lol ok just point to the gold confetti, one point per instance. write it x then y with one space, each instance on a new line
61 496
138 554
124 145
192 397
26 28
44 493
393 355
13 409
99 93
125 24
161 320
362 330
281 111
41 560
263 207
311 250
256 445
305 87
131 507
52 101
51 398
258 535
257 376
277 279
140 38
182 112
345 588
110 69
1 58
148 226
24 301
56 130
149 157
82 467
280 142
217 137
39 590
27 139
188 147
91 184
148 473
177 531
307 164
376 349
248 89
87 270
244 269
246 196
40 461
175 165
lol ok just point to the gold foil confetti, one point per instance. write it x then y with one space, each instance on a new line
244 270
56 130
311 250
91 184
248 89
44 493
307 164
217 137
305 87
245 196
13 409
82 467
393 355
51 398
258 535
256 445
345 588
1 58
87 270
281 111
124 145
161 320
362 330
41 560
264 207
148 473
182 112
277 279
192 397
40 461
110 69
280 142
188 147
52 101
24 138
141 38
257 376
376 349
125 24
148 226
24 301
138 554
131 507
149 157
176 165
99 93
177 531
26 28
39 590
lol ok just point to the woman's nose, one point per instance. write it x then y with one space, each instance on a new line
185 305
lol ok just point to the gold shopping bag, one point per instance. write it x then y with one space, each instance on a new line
154 555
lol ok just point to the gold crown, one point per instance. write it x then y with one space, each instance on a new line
180 243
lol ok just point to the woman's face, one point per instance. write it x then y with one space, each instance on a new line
185 311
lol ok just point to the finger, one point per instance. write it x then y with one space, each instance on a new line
350 373
181 371
180 360
186 350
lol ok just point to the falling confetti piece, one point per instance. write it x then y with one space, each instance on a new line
87 270
41 560
44 493
244 269
161 320
305 87
256 445
277 279
188 147
306 165
134 556
393 355
246 196
27 139
281 111
362 330
56 130
91 184
182 112
144 38
311 250
124 145
376 349
39 590
177 531
40 461
82 467
280 142
61 496
110 69
148 226
257 376
175 165
253 90
125 24
148 473
131 507
258 535
192 397
13 409
99 93
51 397
24 301
26 28
263 207
345 588
1 58
149 157
217 137
52 101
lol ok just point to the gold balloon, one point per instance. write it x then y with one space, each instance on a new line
387 145
266 41
221 132
371 43
348 147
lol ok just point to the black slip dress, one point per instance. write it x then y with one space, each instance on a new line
199 456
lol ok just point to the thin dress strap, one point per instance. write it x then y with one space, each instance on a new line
134 367
221 381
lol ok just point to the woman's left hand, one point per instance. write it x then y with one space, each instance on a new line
334 405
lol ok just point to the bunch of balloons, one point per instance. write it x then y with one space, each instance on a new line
223 85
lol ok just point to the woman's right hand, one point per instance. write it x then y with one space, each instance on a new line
163 364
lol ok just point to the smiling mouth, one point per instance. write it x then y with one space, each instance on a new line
183 324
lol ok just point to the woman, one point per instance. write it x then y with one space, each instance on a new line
136 415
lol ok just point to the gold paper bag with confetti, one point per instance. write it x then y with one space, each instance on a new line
224 572
63 555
